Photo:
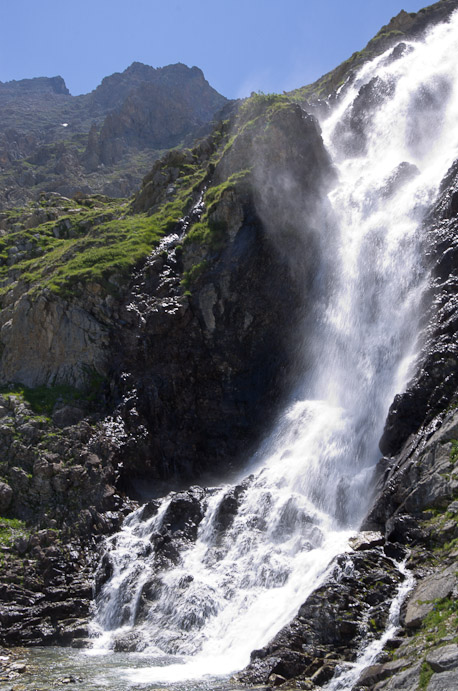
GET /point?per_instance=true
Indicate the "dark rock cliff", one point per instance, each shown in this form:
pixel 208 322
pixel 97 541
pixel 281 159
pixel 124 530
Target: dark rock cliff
pixel 202 373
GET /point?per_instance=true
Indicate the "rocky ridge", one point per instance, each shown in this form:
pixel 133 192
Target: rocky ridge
pixel 51 141
pixel 403 26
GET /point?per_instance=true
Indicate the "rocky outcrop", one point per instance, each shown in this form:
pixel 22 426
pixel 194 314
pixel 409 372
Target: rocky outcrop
pixel 58 482
pixel 216 302
pixel 158 113
pixel 38 85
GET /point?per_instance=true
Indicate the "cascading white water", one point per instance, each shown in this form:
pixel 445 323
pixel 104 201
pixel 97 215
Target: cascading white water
pixel 310 484
pixel 346 677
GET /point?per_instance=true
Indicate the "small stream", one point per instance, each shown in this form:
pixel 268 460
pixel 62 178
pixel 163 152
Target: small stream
pixel 48 669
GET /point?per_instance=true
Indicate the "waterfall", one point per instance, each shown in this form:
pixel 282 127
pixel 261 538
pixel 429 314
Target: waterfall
pixel 264 544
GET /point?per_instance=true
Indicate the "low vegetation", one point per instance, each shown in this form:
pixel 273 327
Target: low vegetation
pixel 87 245
pixel 11 529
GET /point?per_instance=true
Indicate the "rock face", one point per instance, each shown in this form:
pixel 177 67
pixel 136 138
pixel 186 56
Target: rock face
pixel 49 341
pixel 434 387
pixel 166 105
pixel 330 626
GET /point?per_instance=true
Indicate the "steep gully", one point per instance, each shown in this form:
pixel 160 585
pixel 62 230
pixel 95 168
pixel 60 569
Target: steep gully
pixel 201 578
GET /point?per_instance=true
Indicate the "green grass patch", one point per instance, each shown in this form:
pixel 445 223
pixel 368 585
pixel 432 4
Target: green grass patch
pixel 209 231
pixel 442 619
pixel 89 248
pixel 214 194
pixel 193 274
pixel 454 451
pixel 42 399
pixel 426 672
pixel 257 103
pixel 11 529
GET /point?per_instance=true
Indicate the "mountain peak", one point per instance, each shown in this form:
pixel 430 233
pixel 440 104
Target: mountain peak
pixel 37 85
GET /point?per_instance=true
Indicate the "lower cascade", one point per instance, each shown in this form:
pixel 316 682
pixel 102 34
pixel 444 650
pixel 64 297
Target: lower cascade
pixel 201 578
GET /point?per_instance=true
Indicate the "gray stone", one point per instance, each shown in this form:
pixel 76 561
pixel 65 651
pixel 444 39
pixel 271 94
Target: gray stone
pixel 448 431
pixel 6 496
pixel 447 681
pixel 371 675
pixel 443 659
pixel 404 681
pixel 453 507
pixel 67 415
pixel 431 491
pixel 366 540
pixel 434 587
pixel 49 341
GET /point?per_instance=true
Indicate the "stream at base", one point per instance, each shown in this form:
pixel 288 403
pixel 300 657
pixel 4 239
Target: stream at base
pixel 48 669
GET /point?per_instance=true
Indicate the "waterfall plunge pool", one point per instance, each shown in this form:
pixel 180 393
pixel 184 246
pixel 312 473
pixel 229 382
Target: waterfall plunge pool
pixel 49 668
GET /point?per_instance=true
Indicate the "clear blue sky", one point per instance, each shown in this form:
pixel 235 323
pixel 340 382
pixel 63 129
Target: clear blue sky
pixel 241 45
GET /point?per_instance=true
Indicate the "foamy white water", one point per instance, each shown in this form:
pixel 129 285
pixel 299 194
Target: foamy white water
pixel 344 679
pixel 311 484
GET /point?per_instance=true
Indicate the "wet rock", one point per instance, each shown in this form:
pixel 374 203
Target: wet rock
pixel 149 510
pixel 323 674
pixel 402 174
pixel 131 641
pixel 227 508
pixel 421 478
pixel 276 680
pixel 366 540
pixel 332 623
pixel 185 512
pixel 432 388
pixel 454 203
pixel 351 134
